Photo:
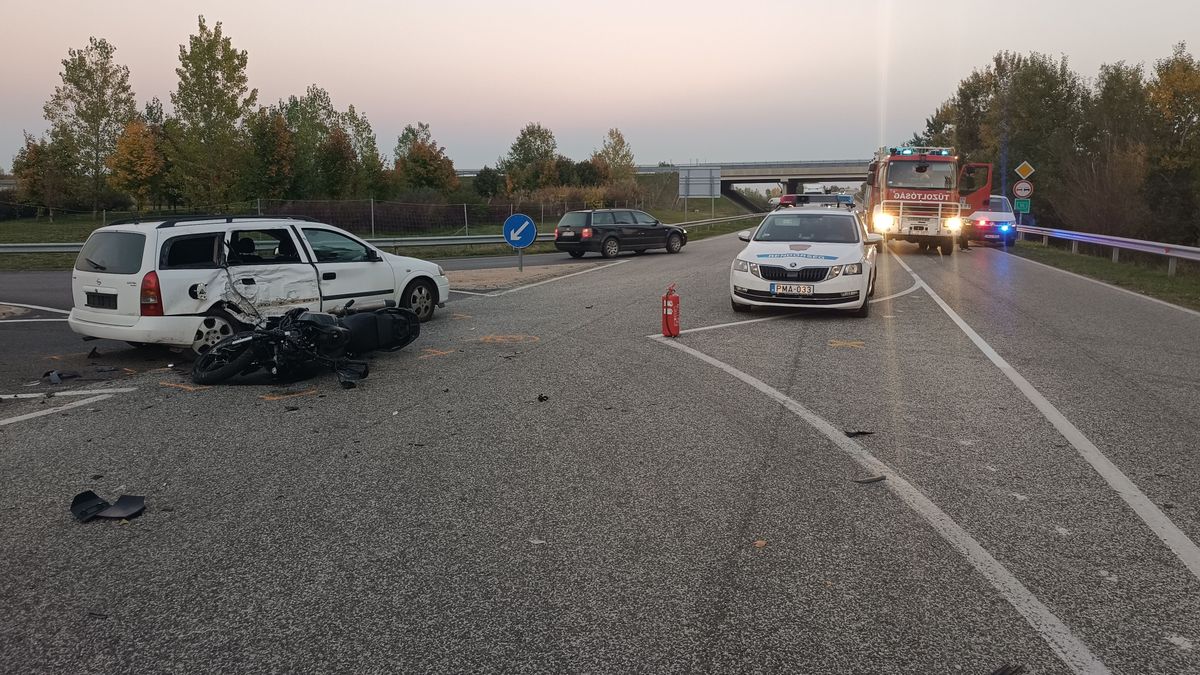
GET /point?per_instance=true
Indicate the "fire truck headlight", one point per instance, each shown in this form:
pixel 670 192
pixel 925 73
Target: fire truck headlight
pixel 884 222
pixel 954 224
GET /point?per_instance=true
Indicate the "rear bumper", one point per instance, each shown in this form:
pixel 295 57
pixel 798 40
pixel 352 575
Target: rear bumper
pixel 161 330
pixel 588 246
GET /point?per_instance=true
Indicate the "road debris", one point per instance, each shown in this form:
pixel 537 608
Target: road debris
pixel 88 505
pixel 94 354
pixel 57 377
pixel 856 434
pixel 542 398
pixel 106 369
pixel 872 479
pixel 760 543
pixel 538 542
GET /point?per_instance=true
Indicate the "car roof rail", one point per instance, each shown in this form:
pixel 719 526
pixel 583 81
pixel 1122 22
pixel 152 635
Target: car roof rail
pixel 229 219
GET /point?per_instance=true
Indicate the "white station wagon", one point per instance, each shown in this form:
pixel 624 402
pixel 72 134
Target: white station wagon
pixel 194 281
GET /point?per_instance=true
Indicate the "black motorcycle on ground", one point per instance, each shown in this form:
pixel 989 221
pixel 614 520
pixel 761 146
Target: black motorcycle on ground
pixel 292 345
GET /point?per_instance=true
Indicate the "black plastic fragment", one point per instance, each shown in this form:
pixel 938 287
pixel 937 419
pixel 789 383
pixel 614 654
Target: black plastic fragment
pixel 855 434
pixel 87 505
pixel 1007 669
pixel 872 479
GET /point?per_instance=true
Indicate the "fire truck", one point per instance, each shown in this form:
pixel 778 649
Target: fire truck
pixel 923 195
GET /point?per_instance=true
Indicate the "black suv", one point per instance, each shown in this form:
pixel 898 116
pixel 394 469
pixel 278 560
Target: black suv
pixel 610 231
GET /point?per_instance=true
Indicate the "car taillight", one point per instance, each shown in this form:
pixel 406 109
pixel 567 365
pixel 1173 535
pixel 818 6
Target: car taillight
pixel 587 233
pixel 151 301
pixel 556 233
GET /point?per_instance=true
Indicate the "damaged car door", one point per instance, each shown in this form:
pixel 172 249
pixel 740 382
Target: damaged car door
pixel 349 269
pixel 268 272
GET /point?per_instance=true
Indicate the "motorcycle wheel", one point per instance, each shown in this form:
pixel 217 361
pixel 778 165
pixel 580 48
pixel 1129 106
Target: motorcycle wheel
pixel 223 361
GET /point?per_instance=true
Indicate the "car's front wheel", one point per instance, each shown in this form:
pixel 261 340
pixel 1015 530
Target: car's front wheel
pixel 420 296
pixel 674 243
pixel 610 248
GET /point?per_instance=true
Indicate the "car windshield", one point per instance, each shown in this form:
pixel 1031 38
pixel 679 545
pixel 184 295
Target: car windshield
pixel 573 219
pixel 817 228
pixel 999 205
pixel 919 175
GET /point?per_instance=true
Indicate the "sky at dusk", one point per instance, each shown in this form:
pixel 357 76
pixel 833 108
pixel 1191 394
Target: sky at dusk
pixel 685 81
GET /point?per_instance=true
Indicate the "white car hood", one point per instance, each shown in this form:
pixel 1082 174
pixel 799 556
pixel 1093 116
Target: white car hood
pixel 799 254
pixel 997 216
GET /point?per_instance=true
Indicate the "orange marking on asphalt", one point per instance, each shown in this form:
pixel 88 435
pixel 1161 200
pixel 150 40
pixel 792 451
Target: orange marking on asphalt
pixel 507 339
pixel 460 317
pixel 280 397
pixel 185 387
pixel 430 353
pixel 131 371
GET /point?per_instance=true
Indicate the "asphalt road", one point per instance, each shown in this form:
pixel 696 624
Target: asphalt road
pixel 536 485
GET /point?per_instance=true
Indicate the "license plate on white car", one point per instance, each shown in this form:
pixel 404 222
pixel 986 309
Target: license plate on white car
pixel 791 289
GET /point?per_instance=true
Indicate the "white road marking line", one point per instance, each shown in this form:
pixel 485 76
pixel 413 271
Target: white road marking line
pixel 1107 285
pixel 1166 530
pixel 1069 648
pixel 51 411
pixel 485 295
pixel 547 281
pixel 1181 642
pixel 46 309
pixel 73 392
pixel 4 321
pixel 906 291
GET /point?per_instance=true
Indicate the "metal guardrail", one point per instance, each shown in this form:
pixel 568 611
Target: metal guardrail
pixel 1173 252
pixel 393 242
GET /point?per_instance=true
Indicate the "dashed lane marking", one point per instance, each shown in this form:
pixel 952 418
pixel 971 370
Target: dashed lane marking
pixel 1069 648
pixel 73 392
pixel 1158 522
pixel 4 321
pixel 44 309
pixel 52 411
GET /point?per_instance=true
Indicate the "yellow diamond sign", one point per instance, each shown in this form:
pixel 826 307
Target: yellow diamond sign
pixel 1025 170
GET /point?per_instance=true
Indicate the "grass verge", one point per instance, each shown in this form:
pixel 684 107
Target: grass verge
pixel 1144 275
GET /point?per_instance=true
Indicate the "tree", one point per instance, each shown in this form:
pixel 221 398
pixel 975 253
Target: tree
pixel 369 178
pixel 587 174
pixel 211 100
pixel 424 163
pixel 1173 182
pixel 336 165
pixel 617 156
pixel 43 169
pixel 410 137
pixel 488 182
pixel 91 108
pixel 135 163
pixel 269 166
pixel 310 117
pixel 527 159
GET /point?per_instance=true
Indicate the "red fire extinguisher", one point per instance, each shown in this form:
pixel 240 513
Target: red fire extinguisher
pixel 670 313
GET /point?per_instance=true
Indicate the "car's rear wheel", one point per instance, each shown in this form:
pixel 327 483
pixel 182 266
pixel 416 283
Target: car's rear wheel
pixel 213 328
pixel 610 248
pixel 739 307
pixel 575 254
pixel 674 243
pixel 947 245
pixel 420 296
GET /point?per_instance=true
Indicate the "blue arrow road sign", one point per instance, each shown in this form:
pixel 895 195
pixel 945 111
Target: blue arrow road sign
pixel 519 230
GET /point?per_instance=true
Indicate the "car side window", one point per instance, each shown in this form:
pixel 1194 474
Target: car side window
pixel 603 218
pixel 333 247
pixel 624 218
pixel 192 251
pixel 270 246
pixel 644 218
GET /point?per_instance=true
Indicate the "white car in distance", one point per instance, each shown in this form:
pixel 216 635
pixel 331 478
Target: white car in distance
pixel 813 257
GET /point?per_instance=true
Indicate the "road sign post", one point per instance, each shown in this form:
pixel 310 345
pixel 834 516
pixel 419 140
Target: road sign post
pixel 520 232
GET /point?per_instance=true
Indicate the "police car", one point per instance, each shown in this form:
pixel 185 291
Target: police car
pixel 806 257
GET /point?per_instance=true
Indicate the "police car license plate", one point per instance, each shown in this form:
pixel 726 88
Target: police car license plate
pixel 791 289
pixel 991 236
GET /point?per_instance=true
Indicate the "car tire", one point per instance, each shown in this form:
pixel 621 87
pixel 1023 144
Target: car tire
pixel 862 312
pixel 947 246
pixel 674 243
pixel 739 307
pixel 421 297
pixel 575 254
pixel 871 289
pixel 222 362
pixel 610 248
pixel 216 326
pixel 923 246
